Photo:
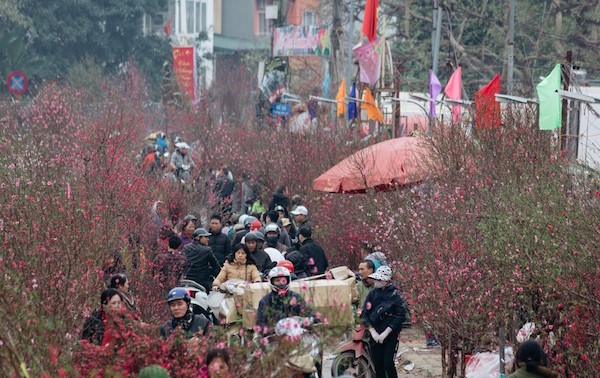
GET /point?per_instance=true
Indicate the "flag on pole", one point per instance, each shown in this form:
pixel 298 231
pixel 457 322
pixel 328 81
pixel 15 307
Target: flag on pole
pixel 369 105
pixel 435 88
pixel 454 91
pixel 487 109
pixel 369 61
pixel 352 111
pixel 550 110
pixel 341 102
pixel 369 26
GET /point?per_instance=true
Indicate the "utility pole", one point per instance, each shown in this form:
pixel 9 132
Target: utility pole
pixel 349 68
pixel 566 74
pixel 436 35
pixel 511 46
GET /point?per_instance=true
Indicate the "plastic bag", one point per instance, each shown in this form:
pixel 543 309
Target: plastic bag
pixel 487 364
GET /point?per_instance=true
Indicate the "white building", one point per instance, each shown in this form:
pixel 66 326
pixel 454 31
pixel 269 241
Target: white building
pixel 187 21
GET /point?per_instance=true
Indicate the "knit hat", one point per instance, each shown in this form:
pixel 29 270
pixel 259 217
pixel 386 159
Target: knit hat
pixel 154 371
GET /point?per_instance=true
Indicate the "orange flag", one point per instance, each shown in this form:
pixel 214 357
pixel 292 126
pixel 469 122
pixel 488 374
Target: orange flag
pixel 369 26
pixel 341 102
pixel 368 104
pixel 487 109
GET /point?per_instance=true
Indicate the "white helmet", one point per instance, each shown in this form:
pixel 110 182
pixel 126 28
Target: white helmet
pixel 272 227
pixel 242 218
pixel 276 272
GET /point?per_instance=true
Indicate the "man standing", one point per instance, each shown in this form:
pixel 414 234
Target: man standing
pixel 218 241
pixel 317 261
pixel 202 265
pixel 301 217
pixel 365 269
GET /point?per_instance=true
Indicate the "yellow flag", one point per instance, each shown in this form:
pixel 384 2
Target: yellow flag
pixel 341 105
pixel 368 104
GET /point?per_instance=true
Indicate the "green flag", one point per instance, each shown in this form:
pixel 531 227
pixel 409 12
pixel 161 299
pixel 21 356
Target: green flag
pixel 550 110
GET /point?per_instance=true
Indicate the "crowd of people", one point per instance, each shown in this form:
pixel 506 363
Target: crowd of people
pixel 250 242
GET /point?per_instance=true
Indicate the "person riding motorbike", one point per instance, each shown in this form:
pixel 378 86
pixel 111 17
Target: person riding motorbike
pixel 239 265
pixel 182 162
pixel 272 232
pixel 182 316
pixel 281 302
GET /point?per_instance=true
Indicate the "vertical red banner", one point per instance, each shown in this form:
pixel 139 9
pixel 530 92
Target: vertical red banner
pixel 184 67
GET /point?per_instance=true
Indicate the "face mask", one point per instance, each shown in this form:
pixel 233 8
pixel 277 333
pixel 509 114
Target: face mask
pixel 272 240
pixel 379 284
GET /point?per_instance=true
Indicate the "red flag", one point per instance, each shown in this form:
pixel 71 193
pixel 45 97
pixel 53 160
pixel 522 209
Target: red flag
pixel 487 109
pixel 168 27
pixel 454 91
pixel 369 27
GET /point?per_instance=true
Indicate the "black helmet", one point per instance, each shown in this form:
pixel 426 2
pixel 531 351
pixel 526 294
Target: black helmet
pixel 200 232
pixel 251 236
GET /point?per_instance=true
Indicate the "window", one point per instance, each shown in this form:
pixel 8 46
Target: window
pixel 263 26
pixel 189 17
pixel 309 18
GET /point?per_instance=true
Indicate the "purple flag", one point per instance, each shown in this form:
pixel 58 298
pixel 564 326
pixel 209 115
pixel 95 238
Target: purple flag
pixel 369 61
pixel 435 88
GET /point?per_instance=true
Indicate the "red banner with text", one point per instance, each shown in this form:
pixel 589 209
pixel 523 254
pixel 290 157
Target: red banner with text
pixel 184 67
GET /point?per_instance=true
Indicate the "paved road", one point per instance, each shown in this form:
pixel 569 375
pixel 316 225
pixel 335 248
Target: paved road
pixel 426 362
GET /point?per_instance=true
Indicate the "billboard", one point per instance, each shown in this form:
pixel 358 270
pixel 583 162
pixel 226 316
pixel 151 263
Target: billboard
pixel 300 40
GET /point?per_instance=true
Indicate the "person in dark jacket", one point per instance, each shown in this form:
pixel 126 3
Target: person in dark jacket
pixel 300 263
pixel 187 230
pixel 384 313
pixel 281 302
pixel 95 325
pixel 168 266
pixel 183 317
pixel 317 261
pixel 260 257
pixel 202 265
pixel 280 198
pixel 218 241
pixel 272 216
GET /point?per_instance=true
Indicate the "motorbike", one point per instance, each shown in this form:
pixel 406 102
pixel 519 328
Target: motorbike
pixel 199 298
pixel 354 356
pixel 222 305
pixel 291 331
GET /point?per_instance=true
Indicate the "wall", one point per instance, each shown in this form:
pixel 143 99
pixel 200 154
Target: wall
pixel 237 18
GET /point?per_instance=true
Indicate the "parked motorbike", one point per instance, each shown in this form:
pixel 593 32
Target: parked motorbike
pixel 222 305
pixel 199 299
pixel 354 357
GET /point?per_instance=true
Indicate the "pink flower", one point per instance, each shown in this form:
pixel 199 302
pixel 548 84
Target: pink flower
pixel 293 301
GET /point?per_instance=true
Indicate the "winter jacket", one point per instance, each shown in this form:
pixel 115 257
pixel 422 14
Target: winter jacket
pixel 384 308
pixel 178 160
pixel 185 239
pixel 224 187
pixel 363 290
pixel 300 262
pixel 93 328
pixel 195 325
pixel 284 237
pixel 317 261
pixel 235 271
pixel 540 372
pixel 239 236
pixel 262 260
pixel 280 199
pixel 221 245
pixel 202 265
pixel 274 307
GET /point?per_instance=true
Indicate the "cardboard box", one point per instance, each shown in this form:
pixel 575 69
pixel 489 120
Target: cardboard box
pixel 331 298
